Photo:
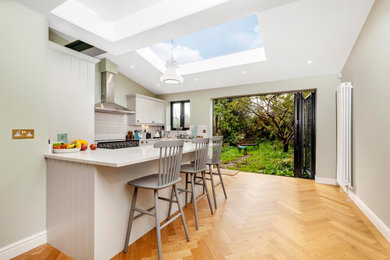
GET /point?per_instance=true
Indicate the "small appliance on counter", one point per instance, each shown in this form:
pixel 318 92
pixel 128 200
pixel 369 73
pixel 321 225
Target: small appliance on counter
pixel 130 135
pixel 137 135
pixel 162 133
pixel 117 144
pixel 199 131
pixel 157 134
pixel 140 134
pixel 148 135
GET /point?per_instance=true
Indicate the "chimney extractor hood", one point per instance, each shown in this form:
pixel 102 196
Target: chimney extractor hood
pixel 108 104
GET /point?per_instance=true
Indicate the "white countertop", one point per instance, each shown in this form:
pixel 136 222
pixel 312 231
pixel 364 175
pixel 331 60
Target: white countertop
pixel 115 157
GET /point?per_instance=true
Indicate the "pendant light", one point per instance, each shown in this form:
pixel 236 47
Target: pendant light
pixel 171 77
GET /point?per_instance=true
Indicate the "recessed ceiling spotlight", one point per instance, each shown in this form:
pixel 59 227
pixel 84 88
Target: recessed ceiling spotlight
pixel 309 62
pixel 158 84
pixel 195 79
pixel 132 67
pixel 244 72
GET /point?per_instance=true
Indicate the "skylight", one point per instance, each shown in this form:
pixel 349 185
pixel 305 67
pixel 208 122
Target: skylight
pixel 115 21
pixel 227 45
pixel 232 37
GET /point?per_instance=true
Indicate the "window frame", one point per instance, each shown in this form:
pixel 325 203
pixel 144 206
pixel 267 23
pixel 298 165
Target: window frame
pixel 182 114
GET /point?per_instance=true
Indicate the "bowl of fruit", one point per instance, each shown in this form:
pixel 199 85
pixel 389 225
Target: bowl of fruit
pixel 75 146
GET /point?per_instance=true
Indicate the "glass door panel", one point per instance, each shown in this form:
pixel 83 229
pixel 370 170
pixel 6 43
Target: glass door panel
pixel 305 134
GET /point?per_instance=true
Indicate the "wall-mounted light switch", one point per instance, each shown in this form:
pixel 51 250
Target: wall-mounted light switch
pixel 22 133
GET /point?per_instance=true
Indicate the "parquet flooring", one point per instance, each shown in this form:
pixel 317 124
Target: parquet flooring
pixel 264 217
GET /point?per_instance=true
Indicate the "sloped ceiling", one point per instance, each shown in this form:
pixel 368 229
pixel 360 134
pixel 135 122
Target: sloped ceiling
pixel 301 38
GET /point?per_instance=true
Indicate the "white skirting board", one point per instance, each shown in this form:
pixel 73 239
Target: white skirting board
pixel 375 220
pixel 328 181
pixel 22 246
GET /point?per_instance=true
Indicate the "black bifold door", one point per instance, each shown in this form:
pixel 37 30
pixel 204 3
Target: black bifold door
pixel 305 135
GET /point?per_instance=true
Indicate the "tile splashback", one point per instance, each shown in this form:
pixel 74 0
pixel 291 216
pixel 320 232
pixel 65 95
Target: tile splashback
pixel 112 126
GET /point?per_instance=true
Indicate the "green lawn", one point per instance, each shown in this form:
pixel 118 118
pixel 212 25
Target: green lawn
pixel 269 158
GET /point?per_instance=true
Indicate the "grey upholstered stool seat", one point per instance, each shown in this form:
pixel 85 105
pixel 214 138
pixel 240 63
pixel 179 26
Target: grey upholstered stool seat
pixel 191 170
pixel 151 182
pixel 167 176
pixel 216 160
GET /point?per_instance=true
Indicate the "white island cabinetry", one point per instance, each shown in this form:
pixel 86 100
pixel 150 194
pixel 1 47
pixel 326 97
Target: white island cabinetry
pixel 148 110
pixel 88 199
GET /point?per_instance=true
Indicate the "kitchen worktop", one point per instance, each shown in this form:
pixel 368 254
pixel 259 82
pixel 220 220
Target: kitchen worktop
pixel 116 157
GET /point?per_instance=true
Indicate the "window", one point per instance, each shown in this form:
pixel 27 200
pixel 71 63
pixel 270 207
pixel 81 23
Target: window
pixel 226 45
pixel 180 115
pixel 231 37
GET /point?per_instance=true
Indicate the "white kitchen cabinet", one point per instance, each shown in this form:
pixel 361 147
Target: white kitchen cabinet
pixel 71 93
pixel 148 110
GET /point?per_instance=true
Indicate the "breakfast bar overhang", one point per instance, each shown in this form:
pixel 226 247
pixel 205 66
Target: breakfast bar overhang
pixel 88 199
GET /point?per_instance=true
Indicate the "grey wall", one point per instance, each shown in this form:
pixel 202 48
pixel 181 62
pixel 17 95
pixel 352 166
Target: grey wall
pixel 123 87
pixel 201 110
pixel 368 68
pixel 54 37
pixel 24 104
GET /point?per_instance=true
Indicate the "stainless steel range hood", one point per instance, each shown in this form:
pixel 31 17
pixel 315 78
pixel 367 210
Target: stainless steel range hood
pixel 108 105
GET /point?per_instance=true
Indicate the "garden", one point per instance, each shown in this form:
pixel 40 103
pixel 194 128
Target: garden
pixel 266 119
pixel 267 158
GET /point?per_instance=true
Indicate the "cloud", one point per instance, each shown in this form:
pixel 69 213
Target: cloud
pixel 247 40
pixel 182 54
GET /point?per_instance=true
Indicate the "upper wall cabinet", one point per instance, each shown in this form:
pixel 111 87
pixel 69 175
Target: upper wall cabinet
pixel 148 110
pixel 71 93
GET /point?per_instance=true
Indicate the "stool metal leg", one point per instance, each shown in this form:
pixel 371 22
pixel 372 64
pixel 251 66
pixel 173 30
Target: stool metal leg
pixel 194 200
pixel 181 212
pixel 203 190
pixel 220 177
pixel 212 184
pixel 207 191
pixel 170 205
pixel 130 220
pixel 191 197
pixel 186 189
pixel 158 232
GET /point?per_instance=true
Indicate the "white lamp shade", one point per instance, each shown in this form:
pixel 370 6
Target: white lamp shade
pixel 171 76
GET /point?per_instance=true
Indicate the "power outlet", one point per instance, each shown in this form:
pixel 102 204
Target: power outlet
pixel 22 133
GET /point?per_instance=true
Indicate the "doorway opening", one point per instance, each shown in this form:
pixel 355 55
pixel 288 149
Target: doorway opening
pixel 269 133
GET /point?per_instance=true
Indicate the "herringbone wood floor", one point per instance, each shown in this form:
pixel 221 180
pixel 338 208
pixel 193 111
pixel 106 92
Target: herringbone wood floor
pixel 265 217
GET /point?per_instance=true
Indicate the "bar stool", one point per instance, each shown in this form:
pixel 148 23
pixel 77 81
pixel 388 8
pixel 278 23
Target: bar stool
pixel 198 166
pixel 217 142
pixel 167 176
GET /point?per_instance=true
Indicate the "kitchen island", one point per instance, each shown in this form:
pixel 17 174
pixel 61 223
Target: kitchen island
pixel 88 199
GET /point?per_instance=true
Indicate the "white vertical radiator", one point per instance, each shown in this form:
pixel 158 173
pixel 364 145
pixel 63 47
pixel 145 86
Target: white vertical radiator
pixel 344 135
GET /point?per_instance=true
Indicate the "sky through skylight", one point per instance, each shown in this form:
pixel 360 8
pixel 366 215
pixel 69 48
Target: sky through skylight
pixel 235 36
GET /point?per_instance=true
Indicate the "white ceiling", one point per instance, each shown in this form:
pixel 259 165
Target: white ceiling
pixel 117 9
pixel 293 31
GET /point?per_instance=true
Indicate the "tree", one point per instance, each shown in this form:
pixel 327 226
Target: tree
pixel 273 112
pixel 230 121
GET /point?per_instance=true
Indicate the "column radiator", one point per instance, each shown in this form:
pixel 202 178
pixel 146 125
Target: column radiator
pixel 344 135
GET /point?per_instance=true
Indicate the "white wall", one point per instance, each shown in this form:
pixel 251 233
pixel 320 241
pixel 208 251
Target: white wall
pixel 24 93
pixel 123 84
pixel 368 69
pixel 201 111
